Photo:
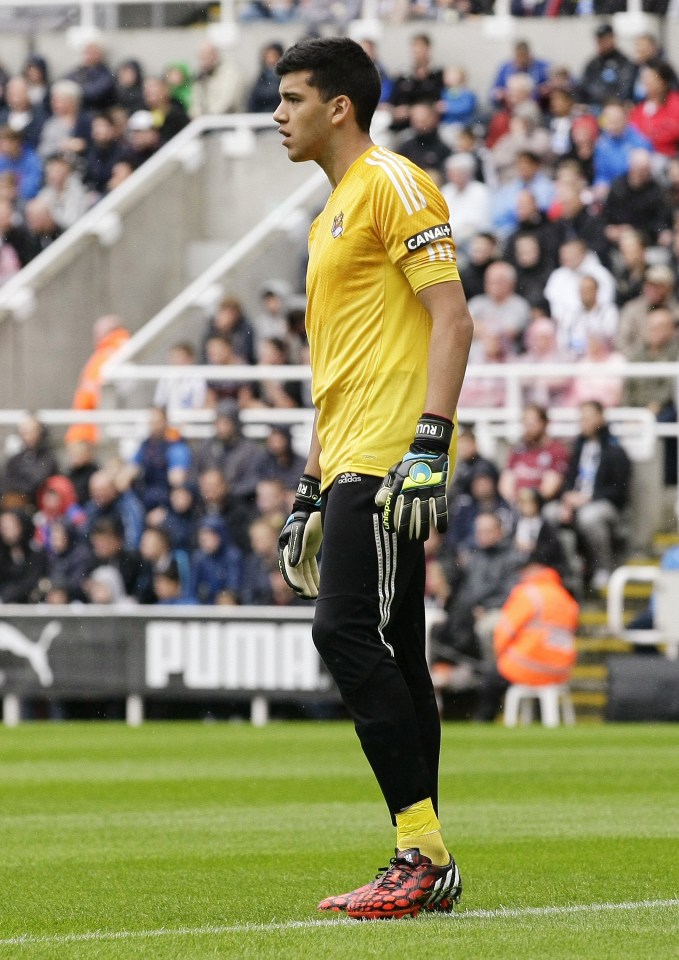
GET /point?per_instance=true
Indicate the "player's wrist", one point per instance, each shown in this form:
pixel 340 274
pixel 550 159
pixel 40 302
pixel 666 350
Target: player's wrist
pixel 432 433
pixel 308 493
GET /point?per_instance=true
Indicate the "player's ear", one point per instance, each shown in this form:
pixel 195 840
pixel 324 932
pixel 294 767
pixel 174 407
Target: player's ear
pixel 341 107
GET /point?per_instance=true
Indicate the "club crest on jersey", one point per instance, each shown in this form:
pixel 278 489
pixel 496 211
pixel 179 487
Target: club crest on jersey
pixel 441 231
pixel 337 228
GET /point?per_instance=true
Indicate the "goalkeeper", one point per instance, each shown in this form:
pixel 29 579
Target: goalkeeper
pixel 389 335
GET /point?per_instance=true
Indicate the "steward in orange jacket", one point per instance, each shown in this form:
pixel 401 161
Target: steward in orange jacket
pixel 534 639
pixel 109 336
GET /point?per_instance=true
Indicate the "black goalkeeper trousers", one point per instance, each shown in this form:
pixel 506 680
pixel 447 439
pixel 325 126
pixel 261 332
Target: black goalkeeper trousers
pixel 369 630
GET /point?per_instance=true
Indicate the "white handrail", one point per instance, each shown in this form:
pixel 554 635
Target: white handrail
pixel 615 602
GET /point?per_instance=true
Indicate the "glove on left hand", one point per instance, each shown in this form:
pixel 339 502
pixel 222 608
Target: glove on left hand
pixel 413 493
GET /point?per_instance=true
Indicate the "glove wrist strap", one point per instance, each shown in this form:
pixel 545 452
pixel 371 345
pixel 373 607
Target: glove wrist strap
pixel 432 433
pixel 308 493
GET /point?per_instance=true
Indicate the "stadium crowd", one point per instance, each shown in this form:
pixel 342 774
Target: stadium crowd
pixel 564 200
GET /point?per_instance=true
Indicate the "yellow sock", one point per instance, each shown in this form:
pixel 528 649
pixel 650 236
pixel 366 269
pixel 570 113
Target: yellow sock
pixel 418 826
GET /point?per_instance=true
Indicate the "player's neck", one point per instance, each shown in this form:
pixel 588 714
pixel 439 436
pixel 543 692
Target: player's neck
pixel 342 154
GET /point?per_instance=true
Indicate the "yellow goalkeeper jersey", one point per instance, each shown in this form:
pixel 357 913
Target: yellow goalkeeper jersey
pixel 383 236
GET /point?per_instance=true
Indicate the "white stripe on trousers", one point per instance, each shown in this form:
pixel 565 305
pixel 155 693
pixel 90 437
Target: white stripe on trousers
pixel 385 545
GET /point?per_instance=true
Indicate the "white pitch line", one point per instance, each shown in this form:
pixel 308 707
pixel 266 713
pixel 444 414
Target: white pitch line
pixel 500 914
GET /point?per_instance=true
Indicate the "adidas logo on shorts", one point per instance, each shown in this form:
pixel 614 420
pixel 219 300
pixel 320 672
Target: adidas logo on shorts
pixel 349 478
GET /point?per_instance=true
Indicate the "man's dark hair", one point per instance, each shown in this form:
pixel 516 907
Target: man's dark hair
pixel 338 66
pixel 539 411
pixel 108 526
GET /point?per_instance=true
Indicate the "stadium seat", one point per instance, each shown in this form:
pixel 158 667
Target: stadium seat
pixel 519 704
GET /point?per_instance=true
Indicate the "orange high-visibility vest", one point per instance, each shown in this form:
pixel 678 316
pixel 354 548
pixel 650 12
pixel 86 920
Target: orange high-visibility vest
pixel 534 639
pixel 88 390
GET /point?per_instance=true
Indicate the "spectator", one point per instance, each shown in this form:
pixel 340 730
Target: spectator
pixel 56 501
pixel 425 147
pixel 157 550
pixel 169 116
pixel 82 464
pixel 143 139
pixel 602 387
pixel 563 287
pixel 561 105
pixel 122 169
pixel 230 321
pixel 499 309
pixel 468 457
pixel 629 266
pixel 584 136
pixel 27 470
pixel 523 62
pixel 458 104
pixel 657 394
pixel 637 201
pixel 9 262
pixel 218 500
pixel 647 50
pixel 423 84
pixel 538 462
pixel 14 234
pixel 278 394
pixel 240 461
pixel 271 322
pixel 20 114
pixel 105 587
pixel 468 200
pixel 534 638
pixel 280 461
pixel 216 564
pixel 574 221
pixel 610 74
pixel 42 229
pixel 273 500
pixel 483 251
pixel 94 78
pixel 68 128
pixel 130 86
pixel 657 118
pixel 532 222
pixel 168 589
pixel 36 75
pixel 542 347
pixel 525 135
pixel 490 568
pixel 22 562
pixel 178 518
pixel 487 390
pixel 64 193
pixel 483 498
pixel 533 267
pixel 386 81
pixel 179 83
pixel 218 86
pixel 109 335
pixel 596 491
pixel 588 316
pixel 614 145
pixel 260 563
pixel 18 158
pixel 657 291
pixel 529 177
pixel 263 96
pixel 188 393
pixel 162 461
pixel 219 352
pixel 104 151
pixel 122 508
pixel 69 558
pixel 520 90
pixel 107 541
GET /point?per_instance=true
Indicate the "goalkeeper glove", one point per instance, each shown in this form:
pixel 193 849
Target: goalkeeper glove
pixel 300 540
pixel 413 493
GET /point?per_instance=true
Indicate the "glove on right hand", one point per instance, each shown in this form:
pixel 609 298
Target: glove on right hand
pixel 300 540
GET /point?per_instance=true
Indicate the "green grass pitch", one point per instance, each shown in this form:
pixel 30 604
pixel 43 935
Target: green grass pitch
pixel 185 841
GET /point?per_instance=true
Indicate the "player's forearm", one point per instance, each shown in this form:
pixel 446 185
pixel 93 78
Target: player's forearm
pixel 313 464
pixel 451 338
